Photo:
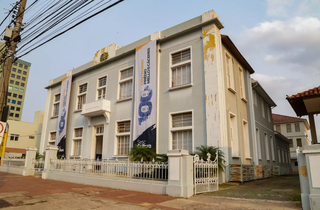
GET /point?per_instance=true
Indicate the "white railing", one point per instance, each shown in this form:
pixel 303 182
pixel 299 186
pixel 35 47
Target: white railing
pixel 126 169
pixel 13 162
pixel 37 165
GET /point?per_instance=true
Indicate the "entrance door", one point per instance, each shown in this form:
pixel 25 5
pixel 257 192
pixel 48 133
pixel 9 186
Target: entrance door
pixel 99 147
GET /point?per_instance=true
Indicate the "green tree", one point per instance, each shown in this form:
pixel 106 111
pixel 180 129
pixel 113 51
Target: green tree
pixel 138 152
pixel 202 151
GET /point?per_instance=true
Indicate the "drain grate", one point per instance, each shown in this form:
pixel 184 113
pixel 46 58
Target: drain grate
pixel 4 203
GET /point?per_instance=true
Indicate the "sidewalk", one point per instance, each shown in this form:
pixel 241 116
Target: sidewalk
pixel 18 192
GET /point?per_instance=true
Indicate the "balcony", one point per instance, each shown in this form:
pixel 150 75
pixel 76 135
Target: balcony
pixel 96 108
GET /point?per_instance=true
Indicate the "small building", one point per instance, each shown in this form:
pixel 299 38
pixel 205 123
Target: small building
pixel 23 135
pixel 296 130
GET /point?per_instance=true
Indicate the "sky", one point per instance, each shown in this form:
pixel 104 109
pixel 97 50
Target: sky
pixel 279 38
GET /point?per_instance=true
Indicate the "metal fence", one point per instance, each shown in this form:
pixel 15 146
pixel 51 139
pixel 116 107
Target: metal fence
pixel 126 169
pixel 206 177
pixel 13 162
pixel 38 166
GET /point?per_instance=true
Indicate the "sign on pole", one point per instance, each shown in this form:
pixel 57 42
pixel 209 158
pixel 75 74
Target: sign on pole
pixel 145 107
pixel 2 129
pixel 63 115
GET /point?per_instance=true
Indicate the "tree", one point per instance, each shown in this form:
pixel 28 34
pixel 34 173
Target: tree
pixel 148 154
pixel 202 151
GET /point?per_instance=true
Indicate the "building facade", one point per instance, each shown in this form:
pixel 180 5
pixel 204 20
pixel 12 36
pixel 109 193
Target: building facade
pixel 296 130
pixel 23 135
pixel 203 95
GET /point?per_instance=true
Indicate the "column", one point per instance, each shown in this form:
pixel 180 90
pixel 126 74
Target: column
pixel 313 129
pixel 51 154
pixel 28 165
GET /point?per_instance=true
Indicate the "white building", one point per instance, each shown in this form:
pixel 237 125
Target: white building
pixel 296 130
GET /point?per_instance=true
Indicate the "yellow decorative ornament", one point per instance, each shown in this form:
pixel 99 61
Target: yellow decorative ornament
pixel 104 56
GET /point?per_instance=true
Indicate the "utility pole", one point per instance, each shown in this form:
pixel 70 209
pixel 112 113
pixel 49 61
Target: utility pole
pixel 12 46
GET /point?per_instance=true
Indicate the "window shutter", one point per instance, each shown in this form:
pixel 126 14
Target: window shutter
pixel 181 120
pixel 180 56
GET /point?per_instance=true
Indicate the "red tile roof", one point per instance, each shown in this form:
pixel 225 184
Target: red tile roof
pixel 309 93
pixel 277 118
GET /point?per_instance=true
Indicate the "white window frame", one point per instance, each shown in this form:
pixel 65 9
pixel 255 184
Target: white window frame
pixel 230 72
pixel 102 87
pixel 245 130
pixel 272 148
pixel 180 64
pixel 267 146
pixel 290 128
pixel 295 127
pixel 184 128
pixel 259 143
pixel 241 84
pixel 77 139
pixel 50 140
pixel 262 107
pixel 120 81
pixel 122 134
pixel 81 94
pixel 56 103
pixel 234 138
pixel 279 128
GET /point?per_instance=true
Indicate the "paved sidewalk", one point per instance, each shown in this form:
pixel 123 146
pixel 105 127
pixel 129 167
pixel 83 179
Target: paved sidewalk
pixel 18 192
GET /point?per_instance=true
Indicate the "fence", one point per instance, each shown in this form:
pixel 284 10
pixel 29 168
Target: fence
pixel 126 169
pixel 13 162
pixel 37 166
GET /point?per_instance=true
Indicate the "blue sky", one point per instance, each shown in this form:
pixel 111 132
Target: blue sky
pixel 279 38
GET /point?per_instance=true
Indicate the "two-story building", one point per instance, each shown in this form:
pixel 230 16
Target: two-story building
pixel 296 130
pixel 201 97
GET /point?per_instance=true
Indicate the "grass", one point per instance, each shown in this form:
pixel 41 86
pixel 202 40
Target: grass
pixel 282 188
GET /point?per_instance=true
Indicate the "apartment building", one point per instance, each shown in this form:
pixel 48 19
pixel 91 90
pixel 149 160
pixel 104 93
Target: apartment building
pixel 200 85
pixel 296 130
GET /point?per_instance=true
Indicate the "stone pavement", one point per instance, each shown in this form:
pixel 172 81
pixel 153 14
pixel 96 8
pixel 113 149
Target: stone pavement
pixel 18 192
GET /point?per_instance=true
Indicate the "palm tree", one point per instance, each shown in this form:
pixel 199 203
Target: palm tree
pixel 138 152
pixel 202 151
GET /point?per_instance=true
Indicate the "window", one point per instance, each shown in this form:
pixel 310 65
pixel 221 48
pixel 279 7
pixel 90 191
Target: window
pixel 11 81
pixel 181 68
pixel 20 65
pixel 19 102
pixel 234 135
pixel 255 97
pixel 16 115
pixel 20 96
pixel 10 88
pixel 246 138
pixel 22 84
pixel 24 73
pixel 31 137
pixel 82 94
pixel 25 67
pixel 11 114
pixel 282 154
pixel 23 79
pixel 101 89
pixel 15 64
pixel 290 143
pixel 13 101
pixel 289 128
pixel 241 82
pixel 21 90
pixel 13 75
pixel 125 83
pixel 299 143
pixel 14 69
pixel 229 65
pixel 18 109
pixel 56 104
pixel 279 155
pixel 14 137
pixel 17 83
pixel 12 108
pixel 123 137
pixel 272 148
pixel 258 143
pixel 268 113
pixel 262 107
pixel 19 71
pixel 297 127
pixel 267 146
pixel 278 128
pixel 15 89
pixel 18 77
pixel 14 95
pixel 99 130
pixel 52 138
pixel 181 131
pixel 77 138
pixel 9 94
pixel 8 100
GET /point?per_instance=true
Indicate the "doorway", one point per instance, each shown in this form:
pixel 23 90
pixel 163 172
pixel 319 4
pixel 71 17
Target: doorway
pixel 99 142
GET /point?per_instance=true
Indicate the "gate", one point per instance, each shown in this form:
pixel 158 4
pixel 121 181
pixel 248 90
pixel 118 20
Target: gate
pixel 205 174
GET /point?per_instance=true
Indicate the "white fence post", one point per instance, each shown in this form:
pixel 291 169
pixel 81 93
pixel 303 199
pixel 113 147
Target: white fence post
pixel 180 174
pixel 28 165
pixel 51 154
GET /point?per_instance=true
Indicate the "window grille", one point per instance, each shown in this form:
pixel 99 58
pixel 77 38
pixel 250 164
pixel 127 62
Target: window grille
pixel 181 68
pixel 128 73
pixel 102 81
pixel 181 56
pixel 83 88
pixel 181 120
pixel 123 127
pixel 78 132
